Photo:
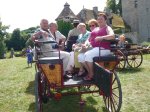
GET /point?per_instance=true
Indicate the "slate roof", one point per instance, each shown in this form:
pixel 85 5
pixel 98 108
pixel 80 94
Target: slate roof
pixel 66 12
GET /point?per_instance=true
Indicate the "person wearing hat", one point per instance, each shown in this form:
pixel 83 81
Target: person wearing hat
pixel 72 35
pixel 74 31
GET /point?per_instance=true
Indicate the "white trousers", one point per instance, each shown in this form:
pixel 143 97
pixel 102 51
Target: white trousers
pixel 89 55
pixel 71 61
pixel 65 56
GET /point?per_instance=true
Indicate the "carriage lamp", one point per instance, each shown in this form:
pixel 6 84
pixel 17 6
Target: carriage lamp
pixel 51 66
pixel 57 96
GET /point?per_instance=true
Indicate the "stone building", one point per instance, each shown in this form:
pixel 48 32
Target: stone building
pixel 86 14
pixel 136 13
pixel 66 14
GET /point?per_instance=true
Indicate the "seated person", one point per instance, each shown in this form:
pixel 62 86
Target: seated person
pixel 103 32
pixel 43 34
pixel 77 47
pixel 122 41
pixel 92 23
pixel 60 38
pixel 72 36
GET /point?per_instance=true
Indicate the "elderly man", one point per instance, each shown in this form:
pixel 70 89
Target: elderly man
pixel 43 34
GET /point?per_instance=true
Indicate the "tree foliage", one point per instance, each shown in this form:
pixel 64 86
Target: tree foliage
pixel 115 6
pixel 3 34
pixel 19 39
pixel 16 40
pixel 64 27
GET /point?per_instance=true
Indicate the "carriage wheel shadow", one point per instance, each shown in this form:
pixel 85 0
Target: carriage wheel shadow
pixel 70 104
pixel 30 88
pixel 131 70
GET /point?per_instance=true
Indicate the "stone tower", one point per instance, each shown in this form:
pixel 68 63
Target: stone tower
pixel 66 14
pixel 136 13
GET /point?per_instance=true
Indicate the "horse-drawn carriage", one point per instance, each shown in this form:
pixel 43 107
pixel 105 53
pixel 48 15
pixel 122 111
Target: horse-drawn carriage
pixel 129 54
pixel 50 82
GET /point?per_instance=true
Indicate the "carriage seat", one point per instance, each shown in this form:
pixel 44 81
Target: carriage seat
pixel 108 62
pixel 106 58
pixel 51 60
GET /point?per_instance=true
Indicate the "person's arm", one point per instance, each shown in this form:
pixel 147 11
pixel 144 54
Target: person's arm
pixel 39 33
pixel 35 36
pixel 60 36
pixel 110 35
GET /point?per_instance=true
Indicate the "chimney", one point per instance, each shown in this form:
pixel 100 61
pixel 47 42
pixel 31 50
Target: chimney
pixel 95 9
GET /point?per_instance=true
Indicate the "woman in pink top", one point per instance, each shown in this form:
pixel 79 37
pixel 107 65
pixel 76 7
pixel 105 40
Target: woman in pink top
pixel 103 32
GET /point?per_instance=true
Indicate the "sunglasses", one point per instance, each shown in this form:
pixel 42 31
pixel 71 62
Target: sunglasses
pixel 91 25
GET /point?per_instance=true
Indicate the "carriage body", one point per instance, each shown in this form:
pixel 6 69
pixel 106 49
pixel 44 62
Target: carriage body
pixel 50 81
pixel 130 55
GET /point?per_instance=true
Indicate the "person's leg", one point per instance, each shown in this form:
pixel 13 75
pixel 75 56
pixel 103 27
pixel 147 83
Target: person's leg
pixel 65 57
pixel 89 58
pixel 89 55
pixel 70 65
pixel 82 64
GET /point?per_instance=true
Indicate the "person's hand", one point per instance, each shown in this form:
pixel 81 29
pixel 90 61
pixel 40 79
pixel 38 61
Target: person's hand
pixel 39 33
pixel 45 34
pixel 98 39
pixel 83 47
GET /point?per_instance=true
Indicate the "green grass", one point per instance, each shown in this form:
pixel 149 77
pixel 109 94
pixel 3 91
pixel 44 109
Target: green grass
pixel 17 90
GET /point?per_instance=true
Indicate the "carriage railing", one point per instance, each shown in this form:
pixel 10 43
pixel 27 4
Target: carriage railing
pixel 51 66
pixel 54 45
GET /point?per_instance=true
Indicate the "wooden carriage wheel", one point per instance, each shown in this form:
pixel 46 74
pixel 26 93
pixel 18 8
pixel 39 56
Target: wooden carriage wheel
pixel 134 58
pixel 122 58
pixel 38 92
pixel 114 101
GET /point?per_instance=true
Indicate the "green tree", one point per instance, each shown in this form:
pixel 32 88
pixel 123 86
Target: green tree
pixel 115 6
pixel 16 41
pixel 21 38
pixel 119 7
pixel 64 27
pixel 3 34
pixel 26 34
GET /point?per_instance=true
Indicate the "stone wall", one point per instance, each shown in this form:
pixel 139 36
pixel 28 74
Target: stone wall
pixel 143 19
pixel 133 36
pixel 137 15
pixel 129 13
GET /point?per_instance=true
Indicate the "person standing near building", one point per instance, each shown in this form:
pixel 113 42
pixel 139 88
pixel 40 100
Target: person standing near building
pixel 12 53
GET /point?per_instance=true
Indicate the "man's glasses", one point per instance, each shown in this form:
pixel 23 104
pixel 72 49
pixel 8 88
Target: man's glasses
pixel 91 25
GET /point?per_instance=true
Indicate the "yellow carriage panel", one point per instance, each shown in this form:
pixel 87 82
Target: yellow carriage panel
pixel 53 73
pixel 110 65
pixel 76 63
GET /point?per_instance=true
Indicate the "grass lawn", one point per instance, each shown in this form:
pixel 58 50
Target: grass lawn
pixel 17 90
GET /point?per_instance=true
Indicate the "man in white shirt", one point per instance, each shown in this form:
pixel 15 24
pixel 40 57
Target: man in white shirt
pixel 43 34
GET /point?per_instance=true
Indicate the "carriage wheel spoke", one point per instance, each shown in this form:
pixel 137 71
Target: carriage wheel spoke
pixel 108 102
pixel 114 108
pixel 113 81
pixel 115 95
pixel 115 101
pixel 115 88
pixel 110 105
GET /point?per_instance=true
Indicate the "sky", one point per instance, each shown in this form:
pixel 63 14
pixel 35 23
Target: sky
pixel 28 13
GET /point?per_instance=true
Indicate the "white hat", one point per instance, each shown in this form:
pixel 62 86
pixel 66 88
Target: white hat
pixel 76 21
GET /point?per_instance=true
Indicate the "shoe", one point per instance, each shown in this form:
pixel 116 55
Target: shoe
pixel 81 73
pixel 67 76
pixel 88 78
